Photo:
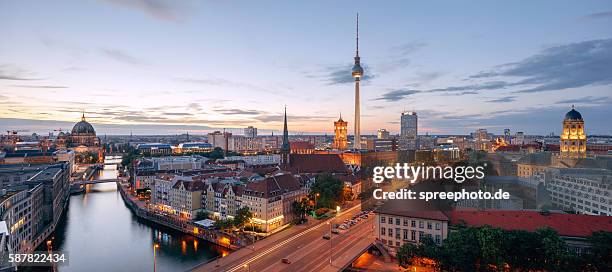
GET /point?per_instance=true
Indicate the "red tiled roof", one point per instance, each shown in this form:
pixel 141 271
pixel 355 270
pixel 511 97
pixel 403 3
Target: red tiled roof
pixel 191 186
pixel 217 175
pixel 575 225
pixel 316 163
pixel 300 145
pixel 272 186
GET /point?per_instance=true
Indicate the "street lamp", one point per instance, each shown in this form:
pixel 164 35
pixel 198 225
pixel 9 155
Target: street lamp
pixel 316 199
pixel 155 247
pixel 330 241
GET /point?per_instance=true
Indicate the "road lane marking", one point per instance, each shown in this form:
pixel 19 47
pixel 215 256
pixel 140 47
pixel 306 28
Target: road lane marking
pixel 241 265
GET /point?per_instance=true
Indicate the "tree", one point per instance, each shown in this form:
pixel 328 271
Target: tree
pixel 429 249
pixel 599 256
pixel 301 208
pixel 347 193
pixel 406 254
pixel 329 189
pixel 243 215
pixel 217 153
pixel 223 224
pixel 201 215
pixel 460 251
pixel 490 243
pixel 520 249
pixel 553 249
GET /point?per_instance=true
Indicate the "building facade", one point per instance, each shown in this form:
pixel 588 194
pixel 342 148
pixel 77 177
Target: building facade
pixel 585 191
pixel 573 139
pixel 408 131
pixel 397 227
pixel 340 134
pixel 250 132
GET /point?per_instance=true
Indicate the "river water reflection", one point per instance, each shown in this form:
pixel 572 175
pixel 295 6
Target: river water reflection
pixel 101 234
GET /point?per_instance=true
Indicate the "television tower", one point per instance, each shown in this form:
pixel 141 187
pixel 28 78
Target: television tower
pixel 357 73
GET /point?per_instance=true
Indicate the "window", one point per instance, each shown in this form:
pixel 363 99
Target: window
pixel 397 221
pixel 382 231
pixel 413 223
pixel 405 234
pixel 420 235
pixel 397 234
pixel 437 226
pixel 413 235
pixel 405 222
pixel 428 225
pixel 390 232
pixel 390 220
pixel 437 239
pixel 397 243
pixel 421 224
pixel 382 219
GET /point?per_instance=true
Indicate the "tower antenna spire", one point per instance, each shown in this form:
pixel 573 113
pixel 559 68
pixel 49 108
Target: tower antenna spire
pixel 357 40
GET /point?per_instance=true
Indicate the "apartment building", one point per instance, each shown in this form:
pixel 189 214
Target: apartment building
pixel 583 190
pixel 397 226
pixel 269 200
pixel 186 198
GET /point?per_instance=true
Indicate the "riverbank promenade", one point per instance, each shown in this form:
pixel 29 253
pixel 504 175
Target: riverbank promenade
pixel 143 210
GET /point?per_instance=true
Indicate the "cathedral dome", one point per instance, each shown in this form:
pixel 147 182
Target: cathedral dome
pixel 573 115
pixel 83 128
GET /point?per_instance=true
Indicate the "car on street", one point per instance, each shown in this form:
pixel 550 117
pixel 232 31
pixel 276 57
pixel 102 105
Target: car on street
pixel 326 236
pixel 335 231
pixel 285 260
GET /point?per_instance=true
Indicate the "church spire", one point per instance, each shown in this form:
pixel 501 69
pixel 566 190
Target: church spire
pixel 83 116
pixel 286 148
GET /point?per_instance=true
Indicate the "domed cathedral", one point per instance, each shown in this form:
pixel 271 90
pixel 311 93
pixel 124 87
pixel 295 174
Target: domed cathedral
pixel 83 141
pixel 573 139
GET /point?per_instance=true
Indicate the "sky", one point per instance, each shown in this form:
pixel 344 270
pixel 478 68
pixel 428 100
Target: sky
pixel 168 67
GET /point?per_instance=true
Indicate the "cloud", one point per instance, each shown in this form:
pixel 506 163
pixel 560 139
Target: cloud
pixel 470 89
pixel 341 74
pixel 599 15
pixel 121 56
pixel 41 86
pixel 238 112
pixel 504 99
pixel 279 118
pixel 167 10
pixel 587 100
pixel 211 81
pixel 397 95
pixel 10 72
pixel 400 56
pixel 573 65
pixel 561 67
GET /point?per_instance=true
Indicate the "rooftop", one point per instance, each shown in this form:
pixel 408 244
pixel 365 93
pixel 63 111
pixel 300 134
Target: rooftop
pixel 573 225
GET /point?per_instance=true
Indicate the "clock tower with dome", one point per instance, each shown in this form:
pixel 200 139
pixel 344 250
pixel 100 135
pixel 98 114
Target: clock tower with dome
pixel 573 139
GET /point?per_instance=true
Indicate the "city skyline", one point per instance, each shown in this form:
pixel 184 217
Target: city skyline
pixel 176 67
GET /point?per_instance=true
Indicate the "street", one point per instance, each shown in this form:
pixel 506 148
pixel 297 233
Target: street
pixel 303 246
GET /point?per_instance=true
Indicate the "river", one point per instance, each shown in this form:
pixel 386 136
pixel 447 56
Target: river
pixel 100 233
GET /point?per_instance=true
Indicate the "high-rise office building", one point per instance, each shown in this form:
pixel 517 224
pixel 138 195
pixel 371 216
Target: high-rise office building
pixel 250 132
pixel 383 134
pixel 408 131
